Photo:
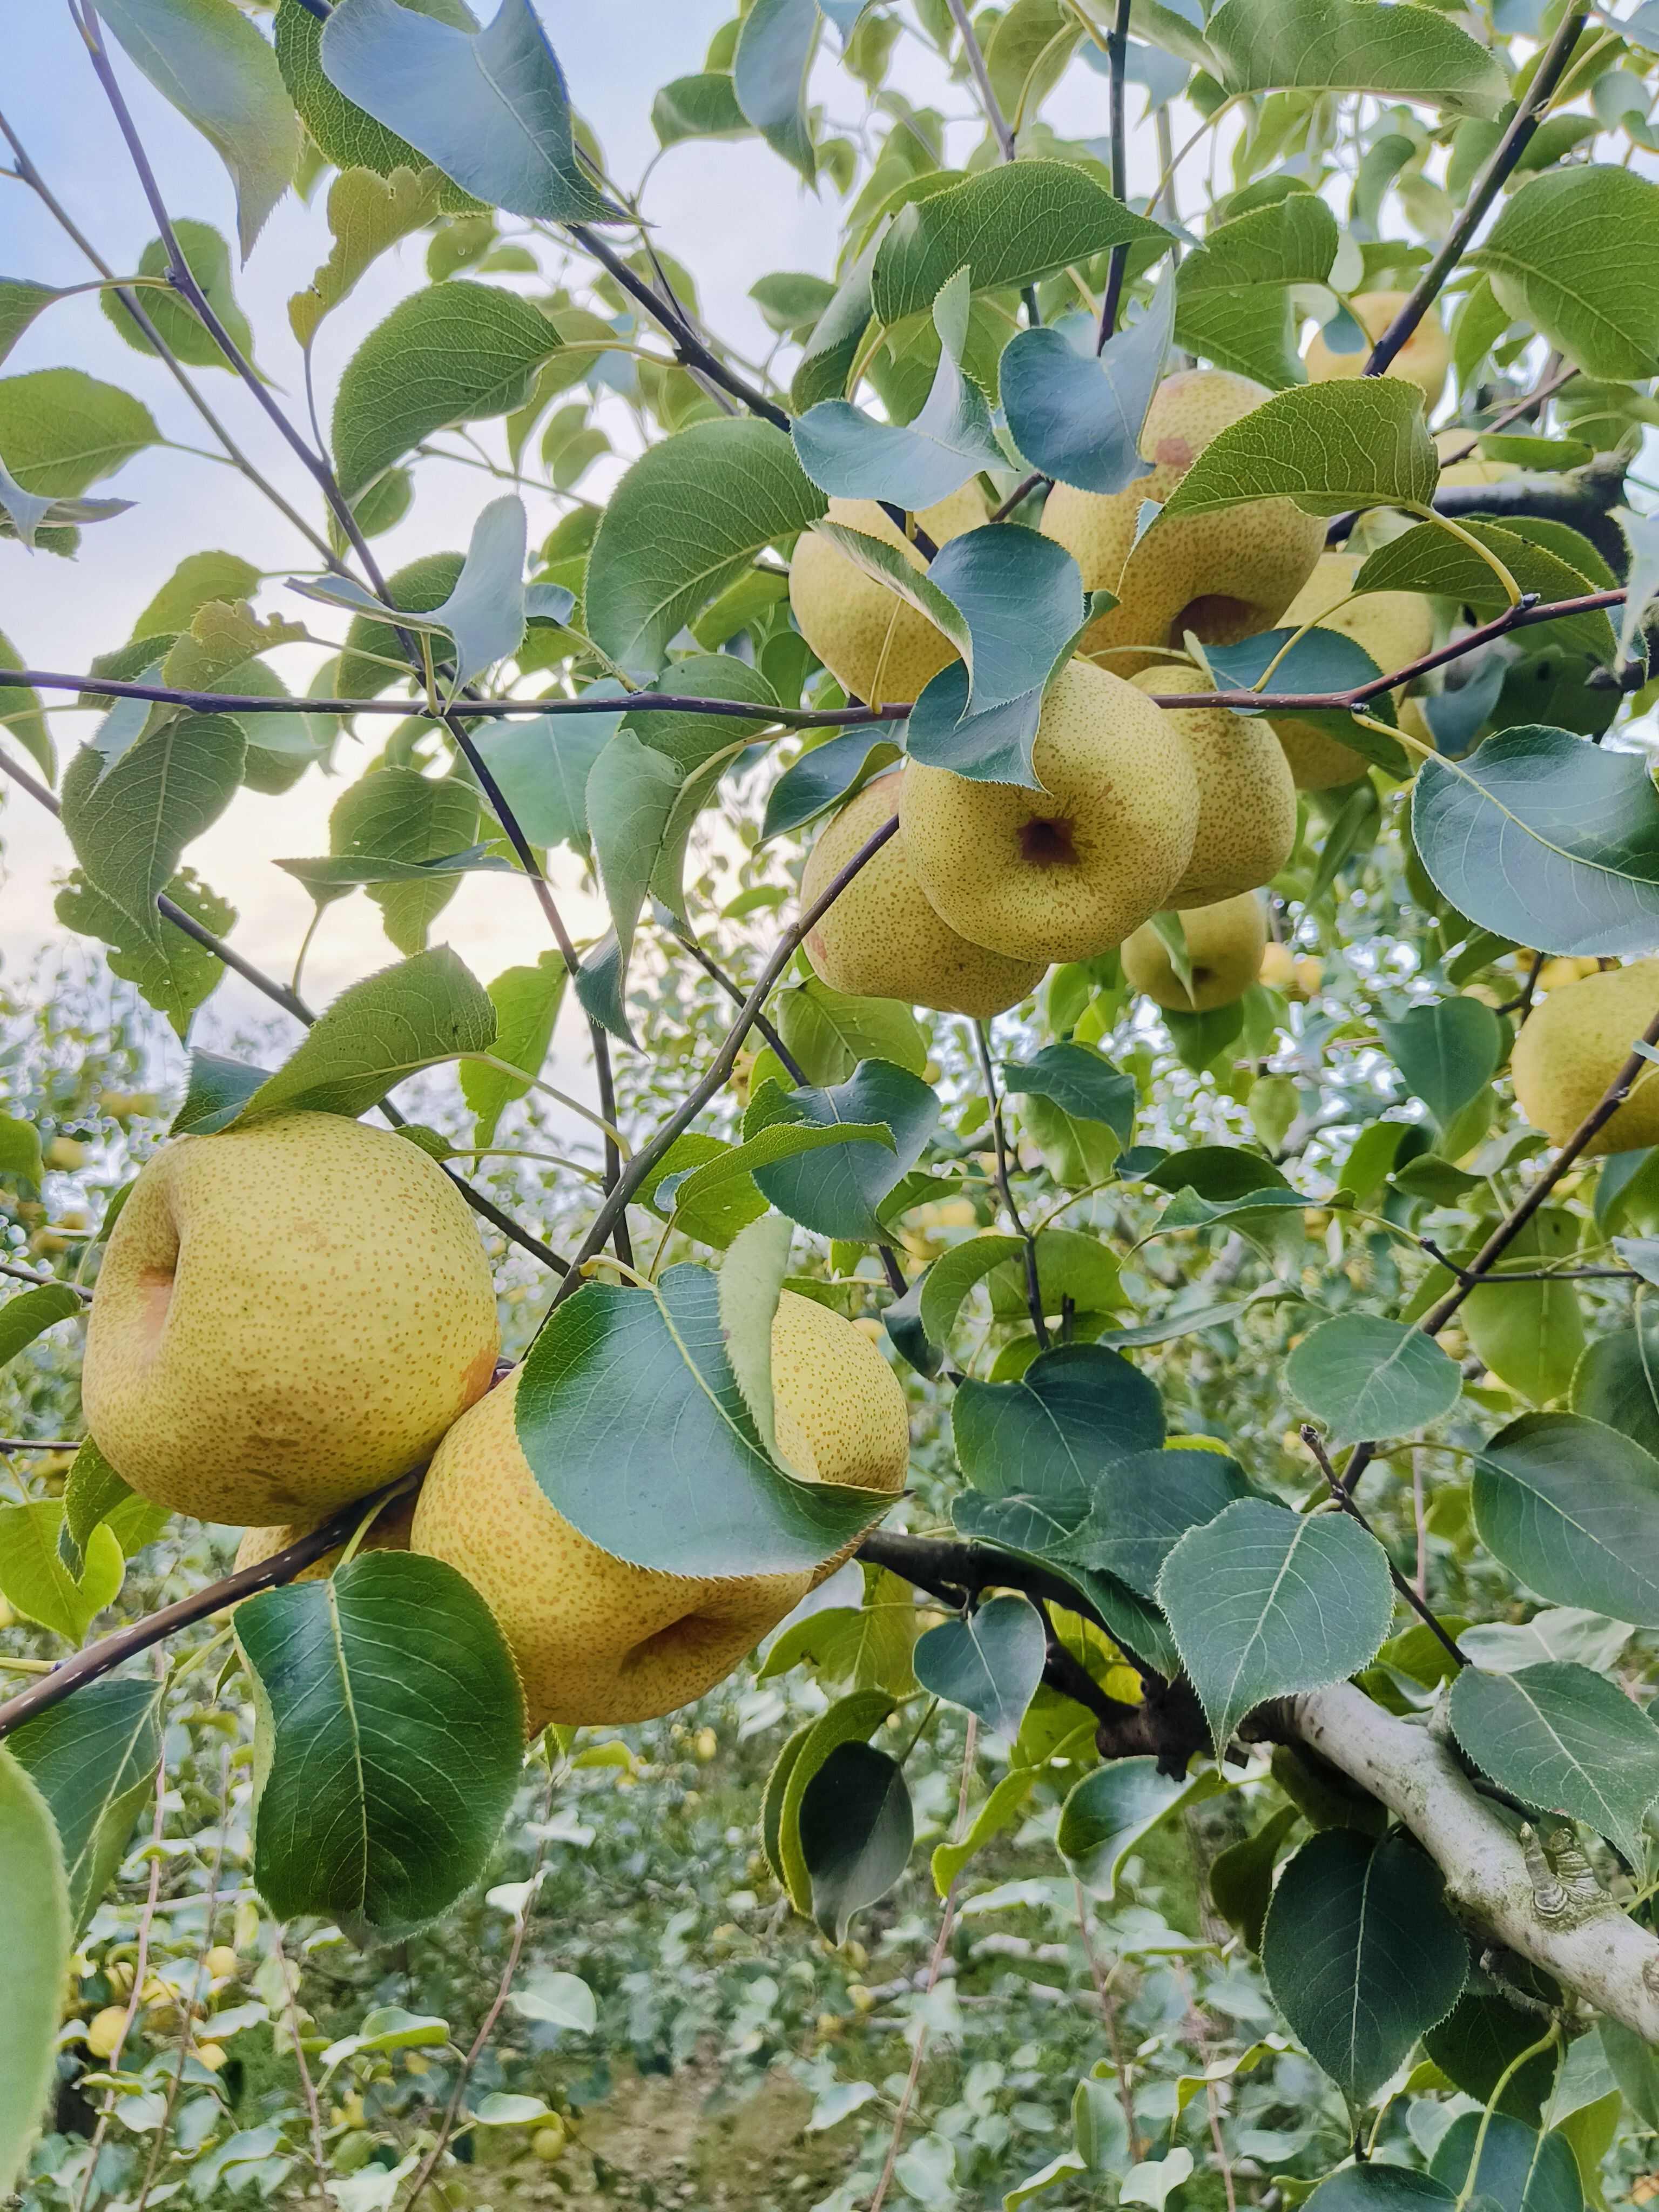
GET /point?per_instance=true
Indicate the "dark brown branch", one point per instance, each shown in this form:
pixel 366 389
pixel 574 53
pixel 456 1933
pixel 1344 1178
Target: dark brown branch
pixel 1117 46
pixel 1483 191
pixel 1420 1605
pixel 111 1651
pixel 1521 1002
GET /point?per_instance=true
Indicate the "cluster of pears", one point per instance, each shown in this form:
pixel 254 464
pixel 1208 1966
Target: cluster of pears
pixel 1141 810
pixel 292 1314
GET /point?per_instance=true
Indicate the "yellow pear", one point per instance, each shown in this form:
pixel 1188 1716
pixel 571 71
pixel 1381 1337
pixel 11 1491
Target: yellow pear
pixel 288 1316
pixel 387 1532
pixel 875 645
pixel 597 1639
pixel 1067 872
pixel 1422 361
pixel 1246 794
pixel 1226 944
pixel 881 938
pixel 1572 1045
pixel 1393 628
pixel 1221 576
pixel 1278 967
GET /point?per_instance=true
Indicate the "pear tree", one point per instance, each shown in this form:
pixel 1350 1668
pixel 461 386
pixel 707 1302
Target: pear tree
pixel 1093 1199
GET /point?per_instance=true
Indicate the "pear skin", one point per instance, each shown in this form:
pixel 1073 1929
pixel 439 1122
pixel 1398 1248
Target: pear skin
pixel 1394 627
pixel 1067 872
pixel 597 1639
pixel 875 645
pixel 288 1316
pixel 1225 943
pixel 1246 794
pixel 1223 577
pixel 882 939
pixel 1423 359
pixel 1571 1046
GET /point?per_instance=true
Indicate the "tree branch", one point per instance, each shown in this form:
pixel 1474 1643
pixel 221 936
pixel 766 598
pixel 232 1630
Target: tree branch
pixel 1117 45
pixel 975 60
pixel 1484 190
pixel 994 1096
pixel 1603 1956
pixel 111 1651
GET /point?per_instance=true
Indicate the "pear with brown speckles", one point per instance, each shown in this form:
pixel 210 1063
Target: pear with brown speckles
pixel 597 1639
pixel 1221 577
pixel 288 1316
pixel 1224 945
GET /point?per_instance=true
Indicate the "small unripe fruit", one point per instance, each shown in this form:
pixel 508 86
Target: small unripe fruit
pixel 221 1962
pixel 548 2142
pixel 66 1153
pixel 707 1744
pixel 1277 969
pixel 107 2028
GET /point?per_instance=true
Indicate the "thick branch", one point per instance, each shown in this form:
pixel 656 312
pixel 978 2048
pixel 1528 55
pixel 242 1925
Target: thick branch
pixel 1604 1958
pixel 1484 190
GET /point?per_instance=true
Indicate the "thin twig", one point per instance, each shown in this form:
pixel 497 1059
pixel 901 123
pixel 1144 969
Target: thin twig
pixel 1117 45
pixel 42 1282
pixel 290 1974
pixel 1419 1606
pixel 1482 193
pixel 1004 1185
pixel 975 60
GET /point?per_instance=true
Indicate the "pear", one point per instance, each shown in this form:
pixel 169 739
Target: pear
pixel 1225 943
pixel 1393 628
pixel 288 1316
pixel 882 939
pixel 1422 361
pixel 1246 794
pixel 877 646
pixel 1222 577
pixel 1572 1045
pixel 597 1639
pixel 1067 872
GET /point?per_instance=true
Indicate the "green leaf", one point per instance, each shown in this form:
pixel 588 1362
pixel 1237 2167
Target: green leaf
pixel 989 1661
pixel 1447 1052
pixel 198 580
pixel 457 352
pixel 376 1035
pixel 34 1580
pixel 856 1828
pixel 1080 1082
pixel 825 776
pixel 1009 226
pixel 689 1195
pixel 954 1274
pixel 389 2027
pixel 829 1032
pixel 206 59
pixel 391 1731
pixel 1572 1508
pixel 769 72
pixel 852 455
pixel 1363 1374
pixel 20 1156
pixel 1144 1503
pixel 23 716
pixel 341 131
pixel 541 765
pixel 1375 2187
pixel 559 2000
pixel 1076 415
pixel 1530 1334
pixel 1353 45
pixel 1235 301
pixel 1519 2170
pixel 526 1002
pixel 367 215
pixel 396 814
pixel 1561 1737
pixel 38 1941
pixel 1358 443
pixel 490 107
pixel 1242 1877
pixel 92 1492
pixel 702 106
pixel 1575 253
pixel 838 1192
pixel 685 522
pixel 181 330
pixel 1113 1810
pixel 1264 1603
pixel 20 301
pixel 93 1759
pixel 216 1091
pixel 27 1314
pixel 632 1420
pixel 1476 2043
pixel 1429 559
pixel 1035 1450
pixel 1617 1380
pixel 1544 839
pixel 630 801
pixel 130 822
pixel 61 429
pixel 851 1719
pixel 1362 1953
